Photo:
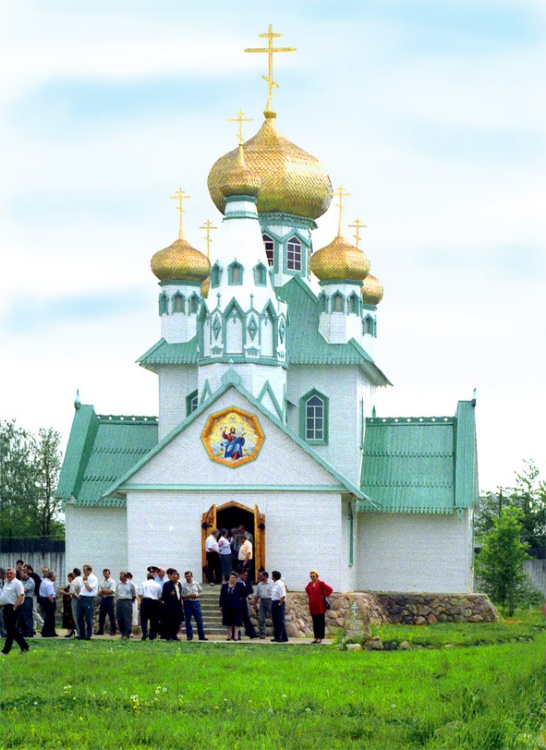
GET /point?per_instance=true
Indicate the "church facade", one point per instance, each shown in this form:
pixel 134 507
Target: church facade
pixel 267 382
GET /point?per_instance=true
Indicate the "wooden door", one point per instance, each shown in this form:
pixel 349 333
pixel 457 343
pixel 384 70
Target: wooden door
pixel 259 540
pixel 208 523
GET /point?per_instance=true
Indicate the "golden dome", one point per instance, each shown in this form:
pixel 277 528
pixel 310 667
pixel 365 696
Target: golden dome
pixel 340 260
pixel 292 181
pixel 180 262
pixel 371 290
pixel 241 180
pixel 205 288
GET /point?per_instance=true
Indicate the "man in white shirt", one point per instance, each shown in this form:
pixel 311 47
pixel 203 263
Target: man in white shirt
pixel 191 593
pixel 212 550
pixel 150 594
pixel 107 591
pixel 11 598
pixel 48 595
pixel 278 599
pixel 86 601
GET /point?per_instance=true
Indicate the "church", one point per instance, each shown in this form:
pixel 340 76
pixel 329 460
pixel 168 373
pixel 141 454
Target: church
pixel 267 379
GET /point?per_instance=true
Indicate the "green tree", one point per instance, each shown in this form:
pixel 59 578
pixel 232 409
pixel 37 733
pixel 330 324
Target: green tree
pixel 502 557
pixel 29 471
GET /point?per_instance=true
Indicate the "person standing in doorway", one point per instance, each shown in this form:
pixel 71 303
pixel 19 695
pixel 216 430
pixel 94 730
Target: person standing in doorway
pixel 11 598
pixel 278 600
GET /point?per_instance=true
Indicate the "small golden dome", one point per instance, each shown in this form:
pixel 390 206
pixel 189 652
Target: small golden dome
pixel 292 181
pixel 205 288
pixel 180 262
pixel 372 290
pixel 241 180
pixel 340 260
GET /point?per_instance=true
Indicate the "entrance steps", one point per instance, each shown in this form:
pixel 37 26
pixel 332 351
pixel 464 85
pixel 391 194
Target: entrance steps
pixel 212 614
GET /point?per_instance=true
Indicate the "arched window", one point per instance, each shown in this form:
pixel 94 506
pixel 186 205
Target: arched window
pixel 293 254
pixel 337 302
pixel 314 417
pixel 260 272
pixel 368 325
pixel 269 245
pixel 323 302
pixel 194 304
pixel 178 303
pixel 353 303
pixel 235 274
pixel 162 303
pixel 215 273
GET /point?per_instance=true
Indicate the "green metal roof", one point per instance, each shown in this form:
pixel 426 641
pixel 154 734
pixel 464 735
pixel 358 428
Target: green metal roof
pixel 420 464
pixel 304 343
pixel 163 353
pixel 101 449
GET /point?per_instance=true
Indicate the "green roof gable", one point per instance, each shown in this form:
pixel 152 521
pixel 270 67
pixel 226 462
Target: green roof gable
pixel 305 345
pixel 163 353
pixel 100 450
pixel 420 464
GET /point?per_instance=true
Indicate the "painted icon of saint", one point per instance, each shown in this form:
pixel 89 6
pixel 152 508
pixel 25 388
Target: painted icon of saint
pixel 233 444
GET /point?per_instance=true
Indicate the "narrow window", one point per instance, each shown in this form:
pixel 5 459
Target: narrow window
pixel 337 301
pixel 192 402
pixel 178 305
pixel 194 305
pixel 314 419
pixel 260 275
pixel 235 274
pixel 269 248
pixel 293 254
pixel 353 304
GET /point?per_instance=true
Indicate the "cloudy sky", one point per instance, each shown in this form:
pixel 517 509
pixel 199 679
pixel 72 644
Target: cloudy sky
pixel 430 113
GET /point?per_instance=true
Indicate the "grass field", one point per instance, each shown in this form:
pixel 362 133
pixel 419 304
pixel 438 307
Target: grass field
pixel 112 694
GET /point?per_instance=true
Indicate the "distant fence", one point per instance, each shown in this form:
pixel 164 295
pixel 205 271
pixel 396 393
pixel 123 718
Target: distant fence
pixel 38 552
pixel 535 568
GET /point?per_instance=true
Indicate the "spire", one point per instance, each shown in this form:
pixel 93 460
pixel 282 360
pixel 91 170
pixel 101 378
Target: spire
pixel 208 227
pixel 357 226
pixel 180 196
pixel 240 119
pixel 340 193
pixel 270 50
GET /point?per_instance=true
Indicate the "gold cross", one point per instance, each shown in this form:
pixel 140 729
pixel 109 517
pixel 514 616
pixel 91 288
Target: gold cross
pixel 270 49
pixel 180 196
pixel 240 119
pixel 358 225
pixel 208 227
pixel 340 193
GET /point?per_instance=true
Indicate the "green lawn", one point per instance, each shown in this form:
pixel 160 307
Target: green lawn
pixel 110 695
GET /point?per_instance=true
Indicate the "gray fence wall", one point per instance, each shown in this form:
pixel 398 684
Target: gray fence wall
pixel 35 552
pixel 536 572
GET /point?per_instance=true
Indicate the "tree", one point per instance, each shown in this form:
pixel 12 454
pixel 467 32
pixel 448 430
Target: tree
pixel 29 471
pixel 502 557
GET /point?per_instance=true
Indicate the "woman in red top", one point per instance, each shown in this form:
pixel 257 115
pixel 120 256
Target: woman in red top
pixel 316 590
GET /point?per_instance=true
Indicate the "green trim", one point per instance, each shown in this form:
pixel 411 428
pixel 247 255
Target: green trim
pixel 369 307
pixel 230 269
pixel 178 296
pixel 291 220
pixel 335 282
pixel 215 275
pixel 194 395
pixel 303 417
pixel 128 487
pixel 241 360
pixel 466 475
pixel 78 452
pixel 269 390
pixel 207 392
pixel 257 268
pixel 203 407
pixel 402 510
pixel 163 303
pixel 178 282
pixel 242 215
pixel 351 535
pixel 242 197
pixel 304 256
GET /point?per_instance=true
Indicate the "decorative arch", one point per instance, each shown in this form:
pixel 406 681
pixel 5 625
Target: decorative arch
pixel 193 304
pixel 323 302
pixel 235 274
pixel 368 325
pixel 314 418
pixel 338 302
pixel 353 304
pixel 178 303
pixel 260 274
pixel 234 328
pixel 215 275
pixel 163 303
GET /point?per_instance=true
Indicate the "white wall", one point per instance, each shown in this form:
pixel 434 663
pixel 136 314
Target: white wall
pixel 414 553
pixel 98 537
pixel 303 531
pixel 175 383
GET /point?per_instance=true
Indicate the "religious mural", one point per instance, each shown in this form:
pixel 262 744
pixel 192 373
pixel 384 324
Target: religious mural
pixel 232 437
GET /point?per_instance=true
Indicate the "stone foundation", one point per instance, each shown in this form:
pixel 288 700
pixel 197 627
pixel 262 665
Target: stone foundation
pixel 378 608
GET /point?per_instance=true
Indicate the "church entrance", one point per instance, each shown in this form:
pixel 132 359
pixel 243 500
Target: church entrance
pixel 232 515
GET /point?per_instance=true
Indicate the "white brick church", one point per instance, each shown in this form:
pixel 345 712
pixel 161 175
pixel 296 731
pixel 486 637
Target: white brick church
pixel 267 384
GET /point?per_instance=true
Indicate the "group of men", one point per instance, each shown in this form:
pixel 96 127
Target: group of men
pixel 28 602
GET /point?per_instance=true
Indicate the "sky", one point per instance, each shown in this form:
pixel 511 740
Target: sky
pixel 431 114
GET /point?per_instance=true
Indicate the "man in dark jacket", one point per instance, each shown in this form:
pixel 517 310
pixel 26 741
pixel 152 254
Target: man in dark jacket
pixel 249 627
pixel 171 606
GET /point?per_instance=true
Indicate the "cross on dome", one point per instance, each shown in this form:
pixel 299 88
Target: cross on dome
pixel 270 50
pixel 180 196
pixel 240 119
pixel 340 193
pixel 358 225
pixel 208 227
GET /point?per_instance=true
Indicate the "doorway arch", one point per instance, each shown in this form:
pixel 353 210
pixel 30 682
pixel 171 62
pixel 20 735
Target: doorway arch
pixel 230 515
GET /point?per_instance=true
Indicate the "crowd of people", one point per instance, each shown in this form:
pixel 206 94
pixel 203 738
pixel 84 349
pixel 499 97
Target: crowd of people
pixel 29 603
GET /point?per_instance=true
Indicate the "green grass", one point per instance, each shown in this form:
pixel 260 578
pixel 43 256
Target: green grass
pixel 109 695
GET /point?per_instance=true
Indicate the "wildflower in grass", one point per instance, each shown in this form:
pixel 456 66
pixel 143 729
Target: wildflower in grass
pixel 164 689
pixel 307 709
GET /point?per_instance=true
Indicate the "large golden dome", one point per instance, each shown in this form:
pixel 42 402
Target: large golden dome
pixel 340 260
pixel 292 181
pixel 180 262
pixel 372 290
pixel 241 180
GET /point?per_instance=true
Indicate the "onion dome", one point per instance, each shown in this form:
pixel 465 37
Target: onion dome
pixel 372 290
pixel 205 288
pixel 241 180
pixel 292 181
pixel 341 261
pixel 180 262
